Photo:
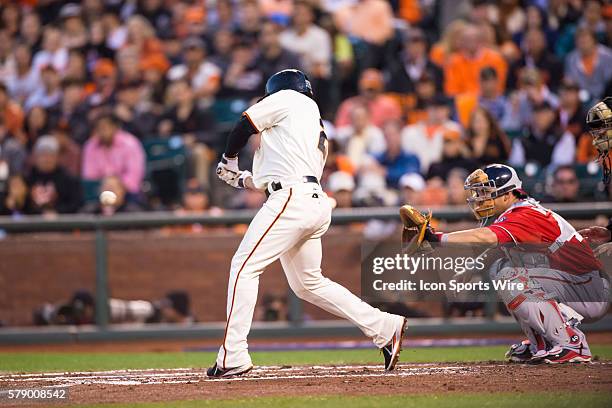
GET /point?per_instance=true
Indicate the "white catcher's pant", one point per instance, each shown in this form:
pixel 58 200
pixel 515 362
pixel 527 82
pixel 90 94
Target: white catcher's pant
pixel 289 226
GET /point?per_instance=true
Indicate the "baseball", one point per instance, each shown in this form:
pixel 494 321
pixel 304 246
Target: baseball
pixel 108 198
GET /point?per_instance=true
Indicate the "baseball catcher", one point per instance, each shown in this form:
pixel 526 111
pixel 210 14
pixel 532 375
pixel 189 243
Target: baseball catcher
pixel 599 122
pixel 565 286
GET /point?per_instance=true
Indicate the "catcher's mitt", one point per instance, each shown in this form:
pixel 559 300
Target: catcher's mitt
pixel 415 228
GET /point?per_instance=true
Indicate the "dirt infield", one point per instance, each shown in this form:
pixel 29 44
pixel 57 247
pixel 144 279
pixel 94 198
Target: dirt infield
pixel 182 384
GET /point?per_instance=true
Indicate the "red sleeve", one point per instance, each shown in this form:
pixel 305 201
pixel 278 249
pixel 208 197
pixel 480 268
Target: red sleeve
pixel 519 226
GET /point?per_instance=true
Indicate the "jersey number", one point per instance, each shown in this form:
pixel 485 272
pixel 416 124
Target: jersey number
pixel 322 141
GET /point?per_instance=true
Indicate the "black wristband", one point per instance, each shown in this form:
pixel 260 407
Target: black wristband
pixel 609 227
pixel 430 235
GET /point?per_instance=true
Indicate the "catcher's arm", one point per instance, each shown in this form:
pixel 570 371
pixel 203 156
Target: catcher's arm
pixel 417 229
pixel 471 236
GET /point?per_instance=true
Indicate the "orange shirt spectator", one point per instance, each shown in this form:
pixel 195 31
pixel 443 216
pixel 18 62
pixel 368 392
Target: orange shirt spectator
pixel 462 73
pixel 13 114
pixel 462 70
pixel 410 11
pixel 441 51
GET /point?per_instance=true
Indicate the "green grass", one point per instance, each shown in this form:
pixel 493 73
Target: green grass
pixel 56 361
pixel 501 400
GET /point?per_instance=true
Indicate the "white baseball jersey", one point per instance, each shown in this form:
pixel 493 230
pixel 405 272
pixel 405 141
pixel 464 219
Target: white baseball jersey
pixel 289 227
pixel 292 142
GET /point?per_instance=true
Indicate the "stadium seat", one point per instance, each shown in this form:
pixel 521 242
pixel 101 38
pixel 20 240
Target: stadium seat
pixel 166 168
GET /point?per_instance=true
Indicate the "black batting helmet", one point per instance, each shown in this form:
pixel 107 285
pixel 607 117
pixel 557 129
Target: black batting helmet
pixel 289 79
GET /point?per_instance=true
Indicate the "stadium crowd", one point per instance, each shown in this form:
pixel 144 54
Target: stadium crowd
pixel 137 96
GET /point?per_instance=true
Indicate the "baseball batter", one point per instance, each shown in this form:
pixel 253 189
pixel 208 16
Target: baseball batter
pixel 563 283
pixel 287 167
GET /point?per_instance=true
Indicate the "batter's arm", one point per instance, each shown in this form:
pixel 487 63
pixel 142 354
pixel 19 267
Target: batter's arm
pixel 239 136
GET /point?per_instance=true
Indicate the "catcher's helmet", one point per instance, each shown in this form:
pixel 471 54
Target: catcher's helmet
pixel 289 79
pixel 599 122
pixel 485 185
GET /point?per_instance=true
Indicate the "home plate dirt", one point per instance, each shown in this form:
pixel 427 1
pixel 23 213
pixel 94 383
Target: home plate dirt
pixel 189 383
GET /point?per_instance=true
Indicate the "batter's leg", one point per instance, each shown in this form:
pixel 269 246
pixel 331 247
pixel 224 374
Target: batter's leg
pixel 268 236
pixel 302 265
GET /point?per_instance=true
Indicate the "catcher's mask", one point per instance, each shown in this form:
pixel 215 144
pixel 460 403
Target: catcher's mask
pixel 485 185
pixel 599 122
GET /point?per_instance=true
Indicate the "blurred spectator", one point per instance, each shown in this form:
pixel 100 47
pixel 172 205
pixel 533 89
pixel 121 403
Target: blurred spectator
pixel 520 106
pixel 565 185
pixel 52 189
pixel 69 151
pixel 462 71
pixel 593 18
pixel 487 141
pixel 249 20
pixel 394 159
pixel 361 137
pixel 105 81
pixel 273 57
pixel 111 151
pixel 411 185
pixel 243 78
pixel 203 75
pixel 133 114
pixel 21 81
pixel 572 116
pixel 425 93
pixel 590 65
pixel 381 108
pixel 37 124
pixel 370 21
pixel 222 17
pixel 13 154
pixel 450 43
pixel 489 98
pixel 341 185
pixel 537 55
pixel 196 199
pixel 31 31
pixel 74 33
pixel 13 117
pixel 413 62
pixel 426 138
pixel 194 125
pixel 223 43
pixel 71 111
pixel 53 52
pixel 545 143
pixel 314 47
pixel 49 92
pixel 455 154
pixel 273 308
pixel 16 200
pixel 455 181
pixel 435 193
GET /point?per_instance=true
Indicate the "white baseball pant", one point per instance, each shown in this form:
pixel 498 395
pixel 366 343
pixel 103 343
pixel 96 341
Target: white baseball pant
pixel 289 226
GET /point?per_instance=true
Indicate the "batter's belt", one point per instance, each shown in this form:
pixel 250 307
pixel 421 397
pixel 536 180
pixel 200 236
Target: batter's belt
pixel 277 185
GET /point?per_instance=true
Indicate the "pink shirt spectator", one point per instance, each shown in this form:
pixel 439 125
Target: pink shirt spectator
pixel 381 109
pixel 125 159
